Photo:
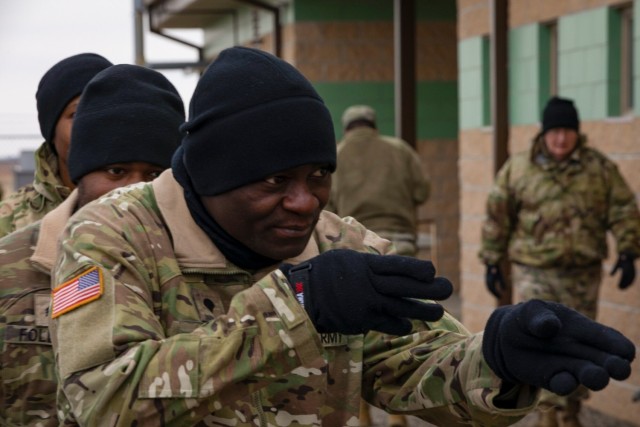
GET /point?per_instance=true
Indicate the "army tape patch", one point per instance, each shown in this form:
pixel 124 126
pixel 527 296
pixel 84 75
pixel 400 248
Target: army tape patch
pixel 78 291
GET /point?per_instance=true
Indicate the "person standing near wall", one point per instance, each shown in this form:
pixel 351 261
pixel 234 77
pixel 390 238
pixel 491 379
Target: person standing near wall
pixel 380 183
pixel 57 98
pixel 379 180
pixel 124 132
pixel 549 212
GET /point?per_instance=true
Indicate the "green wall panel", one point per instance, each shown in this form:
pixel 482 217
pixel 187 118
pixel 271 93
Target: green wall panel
pixel 437 111
pixel 524 87
pixel 343 10
pixel 636 57
pixel 584 55
pixel 473 77
pixel 369 10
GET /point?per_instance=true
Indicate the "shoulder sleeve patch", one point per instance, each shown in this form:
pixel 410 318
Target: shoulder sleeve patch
pixel 82 289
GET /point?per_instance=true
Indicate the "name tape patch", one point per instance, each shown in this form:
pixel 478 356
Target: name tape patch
pixel 80 290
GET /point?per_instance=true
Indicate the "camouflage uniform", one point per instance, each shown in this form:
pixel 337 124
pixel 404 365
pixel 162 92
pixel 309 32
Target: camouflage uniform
pixel 32 202
pixel 555 215
pixel 180 337
pixel 380 182
pixel 28 393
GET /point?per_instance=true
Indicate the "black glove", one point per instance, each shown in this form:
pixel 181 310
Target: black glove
pixel 351 292
pixel 495 281
pixel 625 263
pixel 549 345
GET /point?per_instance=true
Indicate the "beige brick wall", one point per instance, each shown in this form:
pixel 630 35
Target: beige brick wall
pixel 439 217
pixel 619 309
pixel 474 16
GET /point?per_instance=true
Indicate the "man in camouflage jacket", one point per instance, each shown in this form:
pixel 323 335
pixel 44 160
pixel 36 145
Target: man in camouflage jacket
pixel 57 99
pixel 549 212
pixel 27 374
pixel 222 294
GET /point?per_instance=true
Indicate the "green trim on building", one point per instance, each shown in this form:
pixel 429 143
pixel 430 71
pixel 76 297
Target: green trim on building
pixel 636 57
pixel 436 106
pixel 614 58
pixel 342 10
pixel 436 10
pixel 437 110
pixel 544 70
pixel 369 10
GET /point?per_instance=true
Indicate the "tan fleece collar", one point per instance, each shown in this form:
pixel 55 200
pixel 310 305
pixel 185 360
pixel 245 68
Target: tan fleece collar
pixel 51 228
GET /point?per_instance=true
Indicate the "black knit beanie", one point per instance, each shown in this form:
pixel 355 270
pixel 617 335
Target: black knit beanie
pixel 63 82
pixel 127 113
pixel 560 113
pixel 251 115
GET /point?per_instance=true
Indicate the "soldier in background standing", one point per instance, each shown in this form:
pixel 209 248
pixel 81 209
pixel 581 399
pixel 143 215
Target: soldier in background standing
pixel 380 183
pixel 125 131
pixel 57 98
pixel 549 212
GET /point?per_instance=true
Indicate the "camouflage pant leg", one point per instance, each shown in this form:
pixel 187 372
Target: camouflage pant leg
pixel 574 287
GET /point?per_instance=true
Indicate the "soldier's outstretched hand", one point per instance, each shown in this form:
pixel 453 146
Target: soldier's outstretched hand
pixel 352 292
pixel 549 345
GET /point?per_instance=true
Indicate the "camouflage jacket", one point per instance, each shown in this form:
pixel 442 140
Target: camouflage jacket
pixel 28 389
pixel 32 202
pixel 545 213
pixel 379 181
pixel 174 335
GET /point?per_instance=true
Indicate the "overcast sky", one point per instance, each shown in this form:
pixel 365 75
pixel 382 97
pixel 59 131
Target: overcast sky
pixel 35 34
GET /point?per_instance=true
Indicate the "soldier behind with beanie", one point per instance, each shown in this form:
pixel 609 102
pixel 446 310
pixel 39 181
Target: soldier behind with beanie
pixel 223 294
pixel 57 98
pixel 125 131
pixel 548 213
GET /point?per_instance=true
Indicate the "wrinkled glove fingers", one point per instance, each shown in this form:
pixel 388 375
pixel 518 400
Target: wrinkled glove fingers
pixel 410 309
pixel 588 374
pixel 615 366
pixel 598 336
pixel 404 287
pixel 401 265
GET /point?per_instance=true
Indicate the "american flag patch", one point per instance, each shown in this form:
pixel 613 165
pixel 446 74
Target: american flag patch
pixel 78 291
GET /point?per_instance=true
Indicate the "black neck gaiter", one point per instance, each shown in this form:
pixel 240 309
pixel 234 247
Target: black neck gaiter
pixel 233 250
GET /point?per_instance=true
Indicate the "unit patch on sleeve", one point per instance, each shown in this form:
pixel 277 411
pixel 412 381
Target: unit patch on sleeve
pixel 78 291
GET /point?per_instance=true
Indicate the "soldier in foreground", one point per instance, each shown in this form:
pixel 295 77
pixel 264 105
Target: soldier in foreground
pixel 57 98
pixel 125 131
pixel 548 213
pixel 225 295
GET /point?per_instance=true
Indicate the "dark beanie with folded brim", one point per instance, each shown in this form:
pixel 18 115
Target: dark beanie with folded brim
pixel 251 115
pixel 127 113
pixel 560 113
pixel 61 84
